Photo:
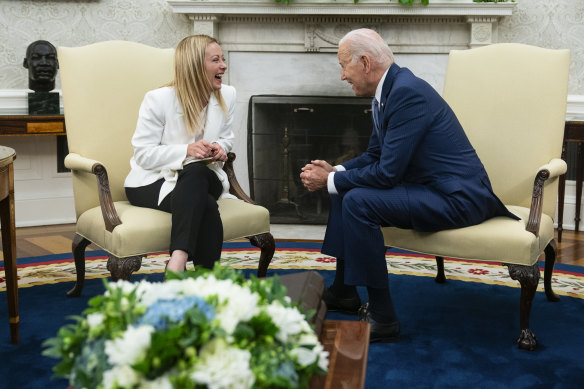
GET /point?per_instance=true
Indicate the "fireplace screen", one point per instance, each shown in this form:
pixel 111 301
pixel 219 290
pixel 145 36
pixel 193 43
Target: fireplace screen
pixel 287 132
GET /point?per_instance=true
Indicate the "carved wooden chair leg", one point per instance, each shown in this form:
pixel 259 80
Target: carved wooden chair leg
pixel 550 259
pixel 528 277
pixel 78 249
pixel 122 268
pixel 440 276
pixel 267 246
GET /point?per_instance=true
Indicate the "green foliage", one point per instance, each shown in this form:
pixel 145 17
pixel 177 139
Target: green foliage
pixel 69 341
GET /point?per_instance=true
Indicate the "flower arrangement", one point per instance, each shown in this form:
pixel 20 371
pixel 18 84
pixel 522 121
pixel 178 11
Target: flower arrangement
pixel 202 329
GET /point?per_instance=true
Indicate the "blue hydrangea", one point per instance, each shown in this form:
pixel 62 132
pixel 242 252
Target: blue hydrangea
pixel 173 310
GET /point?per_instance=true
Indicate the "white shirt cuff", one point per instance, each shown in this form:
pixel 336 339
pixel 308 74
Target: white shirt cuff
pixel 330 183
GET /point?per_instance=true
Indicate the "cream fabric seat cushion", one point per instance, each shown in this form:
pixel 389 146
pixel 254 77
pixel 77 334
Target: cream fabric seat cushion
pixel 509 242
pixel 145 230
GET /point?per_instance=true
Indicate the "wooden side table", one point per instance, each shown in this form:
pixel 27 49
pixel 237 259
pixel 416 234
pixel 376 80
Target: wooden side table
pixel 32 125
pixel 573 132
pixel 7 156
pixel 348 345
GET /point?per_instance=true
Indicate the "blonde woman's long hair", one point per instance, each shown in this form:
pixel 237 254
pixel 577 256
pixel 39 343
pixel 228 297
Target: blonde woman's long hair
pixel 191 84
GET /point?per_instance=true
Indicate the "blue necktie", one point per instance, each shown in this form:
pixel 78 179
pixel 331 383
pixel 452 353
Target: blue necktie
pixel 375 114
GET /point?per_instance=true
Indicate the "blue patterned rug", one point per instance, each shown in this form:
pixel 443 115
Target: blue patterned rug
pixel 455 335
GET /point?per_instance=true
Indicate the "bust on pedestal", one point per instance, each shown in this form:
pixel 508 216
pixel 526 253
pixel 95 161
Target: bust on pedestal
pixel 41 62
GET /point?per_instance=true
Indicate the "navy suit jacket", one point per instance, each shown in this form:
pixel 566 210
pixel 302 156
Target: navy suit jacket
pixel 422 144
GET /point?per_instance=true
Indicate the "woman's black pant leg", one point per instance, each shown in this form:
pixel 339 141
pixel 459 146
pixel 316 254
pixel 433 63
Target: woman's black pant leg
pixel 210 238
pixel 196 223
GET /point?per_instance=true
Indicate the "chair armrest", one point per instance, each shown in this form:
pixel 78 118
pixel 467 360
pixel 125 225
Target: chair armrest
pixel 75 161
pixel 555 168
pixel 234 187
pixel 108 210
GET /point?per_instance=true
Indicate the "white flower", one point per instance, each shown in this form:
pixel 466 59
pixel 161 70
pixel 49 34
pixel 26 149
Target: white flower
pixel 308 339
pixel 289 321
pixel 130 347
pixel 94 319
pixel 323 358
pixel 223 367
pixel 161 291
pixel 240 306
pixel 125 286
pixel 122 376
pixel 305 356
pixel 236 303
pixel 162 382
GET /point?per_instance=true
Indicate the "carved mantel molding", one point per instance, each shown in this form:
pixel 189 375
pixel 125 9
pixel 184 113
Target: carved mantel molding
pixel 323 15
pixel 340 7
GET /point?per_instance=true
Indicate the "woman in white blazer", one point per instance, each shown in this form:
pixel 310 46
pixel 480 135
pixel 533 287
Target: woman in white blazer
pixel 181 140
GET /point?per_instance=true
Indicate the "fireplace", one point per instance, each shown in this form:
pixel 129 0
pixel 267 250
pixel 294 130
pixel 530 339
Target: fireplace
pixel 287 132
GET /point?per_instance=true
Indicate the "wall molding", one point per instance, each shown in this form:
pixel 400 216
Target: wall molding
pixel 332 7
pixel 575 107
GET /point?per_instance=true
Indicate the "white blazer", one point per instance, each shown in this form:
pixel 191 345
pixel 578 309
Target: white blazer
pixel 161 138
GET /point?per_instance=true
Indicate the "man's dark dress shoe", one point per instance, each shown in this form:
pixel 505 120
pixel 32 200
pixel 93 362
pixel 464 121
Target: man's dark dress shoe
pixel 379 332
pixel 346 305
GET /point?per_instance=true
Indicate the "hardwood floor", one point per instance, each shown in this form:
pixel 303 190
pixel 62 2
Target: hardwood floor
pixel 44 240
pixel 571 249
pixel 56 239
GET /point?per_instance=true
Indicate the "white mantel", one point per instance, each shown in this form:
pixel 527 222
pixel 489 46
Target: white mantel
pixel 339 7
pixel 482 18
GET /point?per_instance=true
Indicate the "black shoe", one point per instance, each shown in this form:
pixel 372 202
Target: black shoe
pixel 346 305
pixel 379 332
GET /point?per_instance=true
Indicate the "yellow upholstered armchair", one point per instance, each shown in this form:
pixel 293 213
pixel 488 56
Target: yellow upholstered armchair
pixel 511 101
pixel 103 86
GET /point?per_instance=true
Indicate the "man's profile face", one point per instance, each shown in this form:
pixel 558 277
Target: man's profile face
pixel 352 72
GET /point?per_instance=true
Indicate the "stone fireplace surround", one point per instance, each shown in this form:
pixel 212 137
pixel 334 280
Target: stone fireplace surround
pixel 278 49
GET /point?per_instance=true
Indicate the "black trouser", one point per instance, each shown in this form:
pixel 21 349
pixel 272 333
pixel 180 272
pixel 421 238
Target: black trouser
pixel 196 223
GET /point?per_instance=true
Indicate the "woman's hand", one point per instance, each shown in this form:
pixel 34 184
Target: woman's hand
pixel 218 153
pixel 201 149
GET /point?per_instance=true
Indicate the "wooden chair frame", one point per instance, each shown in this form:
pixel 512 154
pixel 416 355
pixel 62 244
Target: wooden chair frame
pixel 122 268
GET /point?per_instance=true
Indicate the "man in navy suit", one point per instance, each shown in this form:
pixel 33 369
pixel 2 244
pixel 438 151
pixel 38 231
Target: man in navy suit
pixel 419 172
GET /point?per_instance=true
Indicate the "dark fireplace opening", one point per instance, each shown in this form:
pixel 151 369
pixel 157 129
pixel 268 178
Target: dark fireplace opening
pixel 287 132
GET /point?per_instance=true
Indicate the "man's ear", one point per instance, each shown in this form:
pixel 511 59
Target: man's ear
pixel 25 63
pixel 366 62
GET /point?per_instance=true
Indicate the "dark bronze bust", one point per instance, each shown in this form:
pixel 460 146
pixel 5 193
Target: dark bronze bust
pixel 41 62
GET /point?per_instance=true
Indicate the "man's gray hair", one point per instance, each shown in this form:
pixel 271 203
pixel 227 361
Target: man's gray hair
pixel 364 41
